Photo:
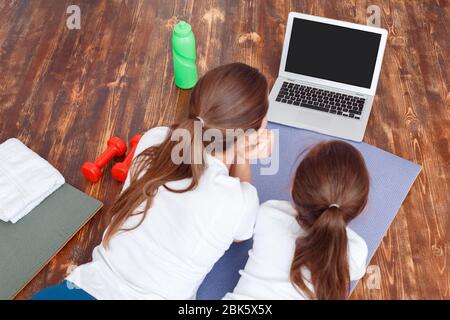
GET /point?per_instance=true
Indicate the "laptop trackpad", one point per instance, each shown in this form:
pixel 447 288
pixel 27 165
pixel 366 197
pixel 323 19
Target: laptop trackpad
pixel 315 120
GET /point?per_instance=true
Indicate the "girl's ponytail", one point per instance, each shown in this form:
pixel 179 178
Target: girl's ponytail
pixel 152 169
pixel 195 160
pixel 323 250
pixel 330 188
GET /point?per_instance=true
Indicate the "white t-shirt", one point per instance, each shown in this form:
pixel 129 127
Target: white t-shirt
pixel 266 274
pixel 183 235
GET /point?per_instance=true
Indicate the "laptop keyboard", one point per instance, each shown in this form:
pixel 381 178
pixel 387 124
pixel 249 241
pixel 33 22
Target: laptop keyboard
pixel 321 100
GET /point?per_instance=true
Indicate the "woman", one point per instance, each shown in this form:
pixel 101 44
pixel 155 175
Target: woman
pixel 175 218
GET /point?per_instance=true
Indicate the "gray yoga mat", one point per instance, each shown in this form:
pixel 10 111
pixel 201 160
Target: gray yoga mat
pixel 27 246
pixel 391 178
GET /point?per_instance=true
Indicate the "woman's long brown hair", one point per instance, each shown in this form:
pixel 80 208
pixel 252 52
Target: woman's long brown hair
pixel 332 172
pixel 233 96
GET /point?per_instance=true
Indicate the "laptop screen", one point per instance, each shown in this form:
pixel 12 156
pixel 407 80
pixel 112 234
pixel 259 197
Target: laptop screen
pixel 332 52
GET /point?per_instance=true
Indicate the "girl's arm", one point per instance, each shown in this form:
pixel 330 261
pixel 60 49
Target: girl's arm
pixel 257 145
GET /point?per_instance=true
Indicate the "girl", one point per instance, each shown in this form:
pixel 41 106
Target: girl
pixel 306 251
pixel 173 221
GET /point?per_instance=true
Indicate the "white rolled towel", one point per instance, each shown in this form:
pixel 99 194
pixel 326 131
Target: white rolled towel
pixel 26 180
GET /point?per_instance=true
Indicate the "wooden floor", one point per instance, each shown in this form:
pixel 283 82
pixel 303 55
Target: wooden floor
pixel 65 92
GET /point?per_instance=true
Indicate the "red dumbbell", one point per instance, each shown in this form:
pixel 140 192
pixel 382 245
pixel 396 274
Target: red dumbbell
pixel 93 170
pixel 120 170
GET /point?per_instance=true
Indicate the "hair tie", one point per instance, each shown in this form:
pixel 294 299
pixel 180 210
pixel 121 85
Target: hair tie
pixel 333 205
pixel 201 120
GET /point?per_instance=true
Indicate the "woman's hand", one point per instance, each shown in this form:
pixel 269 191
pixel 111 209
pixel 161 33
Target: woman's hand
pixel 256 145
pixel 250 147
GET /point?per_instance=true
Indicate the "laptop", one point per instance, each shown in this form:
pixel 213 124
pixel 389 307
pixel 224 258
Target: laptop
pixel 328 76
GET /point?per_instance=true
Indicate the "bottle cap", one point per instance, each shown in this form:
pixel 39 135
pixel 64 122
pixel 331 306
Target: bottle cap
pixel 182 28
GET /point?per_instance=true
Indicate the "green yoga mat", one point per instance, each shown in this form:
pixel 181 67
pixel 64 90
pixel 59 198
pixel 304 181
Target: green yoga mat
pixel 27 246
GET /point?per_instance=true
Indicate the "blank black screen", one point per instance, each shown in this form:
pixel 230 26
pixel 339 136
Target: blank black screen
pixel 332 52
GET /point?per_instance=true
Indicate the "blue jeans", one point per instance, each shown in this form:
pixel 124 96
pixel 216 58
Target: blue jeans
pixel 63 291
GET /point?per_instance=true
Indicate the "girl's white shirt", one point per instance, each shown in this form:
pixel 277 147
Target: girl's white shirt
pixel 267 272
pixel 183 235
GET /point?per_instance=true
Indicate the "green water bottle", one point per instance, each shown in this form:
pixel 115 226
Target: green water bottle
pixel 183 51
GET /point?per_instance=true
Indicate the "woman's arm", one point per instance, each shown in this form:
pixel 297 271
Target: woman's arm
pixel 257 145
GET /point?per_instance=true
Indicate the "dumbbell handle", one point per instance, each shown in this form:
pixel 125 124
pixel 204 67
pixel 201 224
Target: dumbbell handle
pixel 130 155
pixel 106 156
pixel 120 170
